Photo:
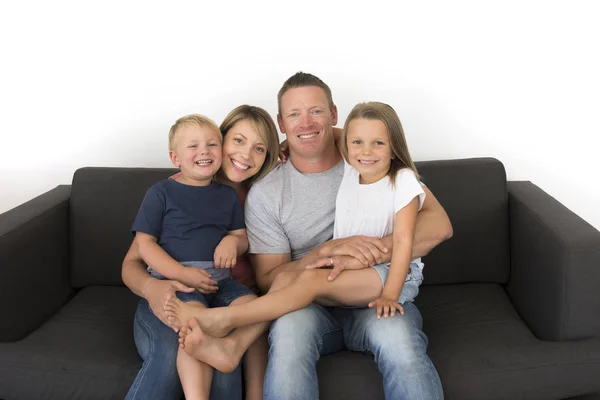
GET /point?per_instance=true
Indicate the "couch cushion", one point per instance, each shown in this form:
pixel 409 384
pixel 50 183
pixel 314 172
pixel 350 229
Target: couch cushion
pixel 104 203
pixel 483 350
pixel 84 351
pixel 473 192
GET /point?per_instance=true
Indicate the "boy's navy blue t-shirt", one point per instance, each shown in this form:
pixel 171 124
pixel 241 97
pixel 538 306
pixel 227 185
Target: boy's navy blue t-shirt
pixel 189 221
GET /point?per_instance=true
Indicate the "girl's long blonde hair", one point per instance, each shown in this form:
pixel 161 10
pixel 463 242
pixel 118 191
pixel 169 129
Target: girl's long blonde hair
pixel 374 110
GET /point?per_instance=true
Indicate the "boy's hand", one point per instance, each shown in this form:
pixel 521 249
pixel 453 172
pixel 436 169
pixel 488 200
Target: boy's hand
pixel 387 306
pixel 226 252
pixel 200 279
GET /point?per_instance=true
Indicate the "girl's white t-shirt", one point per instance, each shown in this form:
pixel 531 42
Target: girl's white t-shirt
pixel 370 209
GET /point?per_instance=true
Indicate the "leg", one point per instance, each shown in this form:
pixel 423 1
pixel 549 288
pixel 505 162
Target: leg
pixel 224 354
pixel 356 287
pixel 297 340
pixel 399 347
pixel 254 367
pixel 227 386
pixel 256 351
pixel 195 375
pixel 157 345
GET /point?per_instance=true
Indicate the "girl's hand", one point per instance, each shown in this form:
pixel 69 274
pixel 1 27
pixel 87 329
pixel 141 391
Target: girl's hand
pixel 387 306
pixel 283 151
pixel 226 252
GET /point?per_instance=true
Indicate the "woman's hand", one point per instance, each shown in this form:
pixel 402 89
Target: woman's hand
pixel 284 152
pixel 156 293
pixel 387 306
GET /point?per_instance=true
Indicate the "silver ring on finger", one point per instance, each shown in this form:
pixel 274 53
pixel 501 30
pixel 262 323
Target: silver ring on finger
pixel 330 261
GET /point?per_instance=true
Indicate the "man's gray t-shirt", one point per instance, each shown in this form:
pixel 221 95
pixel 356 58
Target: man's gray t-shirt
pixel 291 212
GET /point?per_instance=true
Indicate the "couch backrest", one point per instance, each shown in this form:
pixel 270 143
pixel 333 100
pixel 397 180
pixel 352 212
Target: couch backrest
pixel 473 193
pixel 104 202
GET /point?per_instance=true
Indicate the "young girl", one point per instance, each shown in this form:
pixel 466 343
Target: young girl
pixel 380 194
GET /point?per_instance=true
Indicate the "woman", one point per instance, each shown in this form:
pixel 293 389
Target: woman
pixel 250 150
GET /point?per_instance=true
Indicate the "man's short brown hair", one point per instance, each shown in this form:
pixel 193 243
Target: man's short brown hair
pixel 302 79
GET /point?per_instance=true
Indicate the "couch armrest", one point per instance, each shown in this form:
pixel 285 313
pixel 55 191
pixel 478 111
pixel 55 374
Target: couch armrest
pixel 34 262
pixel 555 266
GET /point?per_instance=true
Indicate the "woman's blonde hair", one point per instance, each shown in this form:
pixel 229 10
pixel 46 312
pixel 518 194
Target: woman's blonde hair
pixel 382 112
pixel 263 124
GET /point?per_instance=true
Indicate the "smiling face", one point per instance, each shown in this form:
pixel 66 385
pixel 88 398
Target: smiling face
pixel 369 149
pixel 197 152
pixel 307 120
pixel 244 152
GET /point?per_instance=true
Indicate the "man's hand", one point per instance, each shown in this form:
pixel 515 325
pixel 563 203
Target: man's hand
pixel 226 252
pixel 156 293
pixel 338 264
pixel 386 306
pixel 199 279
pixel 368 250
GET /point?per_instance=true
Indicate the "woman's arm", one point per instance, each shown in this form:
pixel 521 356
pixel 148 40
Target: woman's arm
pixel 137 279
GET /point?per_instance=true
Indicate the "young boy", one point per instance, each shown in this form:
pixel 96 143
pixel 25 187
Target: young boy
pixel 191 229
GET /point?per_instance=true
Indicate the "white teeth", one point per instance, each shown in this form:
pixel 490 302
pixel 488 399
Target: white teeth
pixel 240 165
pixel 366 162
pixel 307 135
pixel 204 162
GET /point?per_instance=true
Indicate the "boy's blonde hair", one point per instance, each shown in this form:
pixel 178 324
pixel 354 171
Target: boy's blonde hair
pixel 263 124
pixel 382 112
pixel 196 119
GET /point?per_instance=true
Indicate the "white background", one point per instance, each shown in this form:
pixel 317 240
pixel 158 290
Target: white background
pixel 99 84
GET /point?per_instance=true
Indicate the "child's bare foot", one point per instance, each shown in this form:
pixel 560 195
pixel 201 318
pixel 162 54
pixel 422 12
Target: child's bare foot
pixel 183 332
pixel 218 353
pixel 212 320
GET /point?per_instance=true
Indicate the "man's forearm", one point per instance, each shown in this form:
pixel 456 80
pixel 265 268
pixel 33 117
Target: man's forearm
pixel 431 229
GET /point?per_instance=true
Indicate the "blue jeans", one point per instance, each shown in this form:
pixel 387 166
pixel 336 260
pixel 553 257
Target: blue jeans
pixel 157 379
pixel 298 339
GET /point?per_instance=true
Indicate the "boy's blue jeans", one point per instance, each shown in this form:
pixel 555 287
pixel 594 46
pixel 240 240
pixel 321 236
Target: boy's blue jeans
pixel 157 379
pixel 298 339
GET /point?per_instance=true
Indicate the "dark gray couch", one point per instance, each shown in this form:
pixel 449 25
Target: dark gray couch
pixel 511 303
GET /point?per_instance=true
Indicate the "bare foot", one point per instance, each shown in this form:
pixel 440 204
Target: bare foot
pixel 183 332
pixel 218 353
pixel 212 320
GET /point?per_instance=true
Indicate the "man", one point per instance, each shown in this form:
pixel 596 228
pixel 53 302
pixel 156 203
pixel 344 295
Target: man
pixel 289 218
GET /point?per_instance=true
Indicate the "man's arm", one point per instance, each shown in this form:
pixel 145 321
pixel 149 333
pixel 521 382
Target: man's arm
pixel 267 266
pixel 355 252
